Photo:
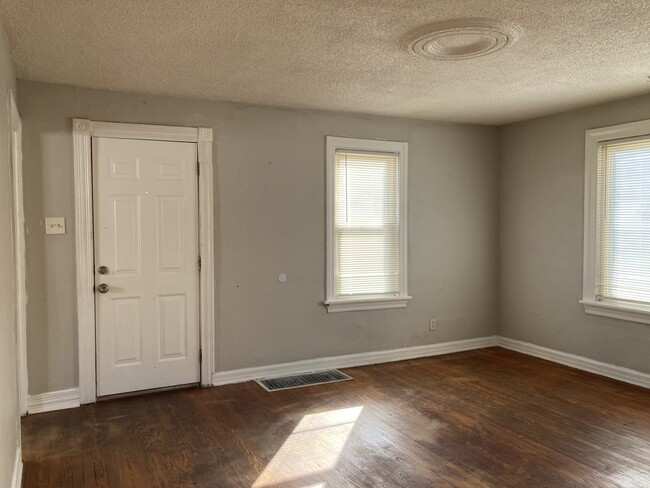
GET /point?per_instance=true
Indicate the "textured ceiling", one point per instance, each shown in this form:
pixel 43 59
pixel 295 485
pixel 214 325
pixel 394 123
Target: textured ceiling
pixel 337 54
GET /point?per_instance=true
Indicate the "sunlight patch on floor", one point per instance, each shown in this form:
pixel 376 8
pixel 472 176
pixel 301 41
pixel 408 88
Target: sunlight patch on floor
pixel 313 447
pixel 629 478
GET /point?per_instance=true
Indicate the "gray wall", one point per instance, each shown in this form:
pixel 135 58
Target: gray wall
pixel 269 214
pixel 9 418
pixel 541 238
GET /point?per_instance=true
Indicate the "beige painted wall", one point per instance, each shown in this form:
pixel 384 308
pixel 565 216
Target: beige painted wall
pixel 9 418
pixel 270 212
pixel 541 238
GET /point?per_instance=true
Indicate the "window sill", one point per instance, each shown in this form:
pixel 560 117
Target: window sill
pixel 618 310
pixel 356 304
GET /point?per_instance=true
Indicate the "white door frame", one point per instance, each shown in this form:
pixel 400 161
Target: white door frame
pixel 16 131
pixel 83 130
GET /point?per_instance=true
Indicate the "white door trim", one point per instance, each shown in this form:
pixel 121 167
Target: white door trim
pixel 19 251
pixel 82 131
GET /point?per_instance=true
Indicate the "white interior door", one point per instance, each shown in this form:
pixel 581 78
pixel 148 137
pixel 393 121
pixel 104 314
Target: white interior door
pixel 146 236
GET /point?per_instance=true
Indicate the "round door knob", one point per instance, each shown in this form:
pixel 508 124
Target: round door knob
pixel 103 288
pixel 102 270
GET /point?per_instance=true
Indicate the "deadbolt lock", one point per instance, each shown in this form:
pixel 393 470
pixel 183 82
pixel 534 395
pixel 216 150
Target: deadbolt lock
pixel 102 270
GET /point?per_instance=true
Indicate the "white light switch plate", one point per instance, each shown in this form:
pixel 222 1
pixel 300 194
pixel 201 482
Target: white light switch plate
pixel 55 225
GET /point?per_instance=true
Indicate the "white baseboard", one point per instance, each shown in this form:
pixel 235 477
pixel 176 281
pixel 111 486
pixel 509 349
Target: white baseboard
pixel 17 478
pixel 59 400
pixel 349 360
pixel 53 400
pixel 604 369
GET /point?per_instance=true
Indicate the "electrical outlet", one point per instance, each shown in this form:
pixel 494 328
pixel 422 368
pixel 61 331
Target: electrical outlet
pixel 432 324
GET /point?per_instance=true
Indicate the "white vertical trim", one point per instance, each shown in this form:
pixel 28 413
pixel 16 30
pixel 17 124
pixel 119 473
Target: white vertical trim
pixel 85 259
pixel 332 144
pixel 17 476
pixel 16 131
pixel 83 130
pixel 206 246
pixel 330 199
pixel 403 205
pixel 590 255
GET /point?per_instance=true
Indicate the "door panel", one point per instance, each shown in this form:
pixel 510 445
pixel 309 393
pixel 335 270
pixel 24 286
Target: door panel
pixel 173 328
pixel 125 227
pixel 146 233
pixel 127 331
pixel 170 234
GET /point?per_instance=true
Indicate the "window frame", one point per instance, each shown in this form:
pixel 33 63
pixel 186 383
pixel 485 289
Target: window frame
pixel 370 302
pixel 591 260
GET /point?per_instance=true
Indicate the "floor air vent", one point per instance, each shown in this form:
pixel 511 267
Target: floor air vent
pixel 298 381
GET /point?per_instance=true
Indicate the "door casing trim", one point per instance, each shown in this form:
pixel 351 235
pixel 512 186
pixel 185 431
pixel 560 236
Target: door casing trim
pixel 82 132
pixel 16 131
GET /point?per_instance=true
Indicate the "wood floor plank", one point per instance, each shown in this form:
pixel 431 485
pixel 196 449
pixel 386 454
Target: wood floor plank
pixel 485 418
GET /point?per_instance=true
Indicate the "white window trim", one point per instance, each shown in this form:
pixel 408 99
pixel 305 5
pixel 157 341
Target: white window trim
pixel 609 308
pixel 359 303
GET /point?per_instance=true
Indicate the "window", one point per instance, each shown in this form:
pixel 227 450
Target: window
pixel 617 222
pixel 366 224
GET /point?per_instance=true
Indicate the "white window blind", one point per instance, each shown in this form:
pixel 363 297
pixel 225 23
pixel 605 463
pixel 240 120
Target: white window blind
pixel 367 238
pixel 623 214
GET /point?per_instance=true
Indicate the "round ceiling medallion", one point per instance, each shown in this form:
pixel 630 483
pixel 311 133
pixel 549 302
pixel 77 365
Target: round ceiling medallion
pixel 462 38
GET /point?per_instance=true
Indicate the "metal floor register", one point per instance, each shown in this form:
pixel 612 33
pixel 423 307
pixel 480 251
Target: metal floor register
pixel 302 380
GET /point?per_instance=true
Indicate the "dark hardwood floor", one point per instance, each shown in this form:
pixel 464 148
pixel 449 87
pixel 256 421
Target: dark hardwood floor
pixel 481 418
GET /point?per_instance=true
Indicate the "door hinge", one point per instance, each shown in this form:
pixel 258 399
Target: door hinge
pixel 199 263
pixel 198 168
pixel 200 355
